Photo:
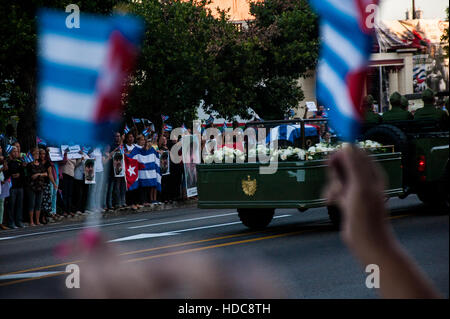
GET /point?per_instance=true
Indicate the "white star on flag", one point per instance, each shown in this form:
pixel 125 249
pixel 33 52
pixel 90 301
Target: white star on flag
pixel 131 170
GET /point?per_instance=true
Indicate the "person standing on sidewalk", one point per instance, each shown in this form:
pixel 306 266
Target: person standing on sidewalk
pixel 16 172
pixel 37 174
pixel 68 171
pixel 4 184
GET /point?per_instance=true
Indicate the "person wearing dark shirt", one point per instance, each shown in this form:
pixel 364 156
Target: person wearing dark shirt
pixel 396 113
pixel 37 175
pixel 370 116
pixel 17 174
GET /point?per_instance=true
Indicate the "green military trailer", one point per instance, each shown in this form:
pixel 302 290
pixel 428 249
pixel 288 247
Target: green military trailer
pixel 413 163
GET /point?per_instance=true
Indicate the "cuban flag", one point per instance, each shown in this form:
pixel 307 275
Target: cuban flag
pixel 167 128
pixel 132 167
pixel 164 117
pixel 85 149
pixel 8 149
pixel 40 141
pixel 146 132
pixel 136 120
pixel 149 173
pixel 346 43
pixel 126 129
pixel 210 120
pixel 28 158
pixel 81 74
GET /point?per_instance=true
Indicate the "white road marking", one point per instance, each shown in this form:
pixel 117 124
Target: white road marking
pixel 218 225
pixel 180 221
pixel 70 229
pixel 142 236
pixel 176 232
pixel 28 275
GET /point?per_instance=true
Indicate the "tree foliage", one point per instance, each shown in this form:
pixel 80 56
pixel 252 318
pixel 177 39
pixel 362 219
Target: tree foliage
pixel 18 59
pixel 188 58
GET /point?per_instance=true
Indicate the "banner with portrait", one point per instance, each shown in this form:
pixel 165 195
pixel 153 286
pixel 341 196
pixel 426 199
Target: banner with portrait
pixel 89 171
pixel 118 164
pixel 164 163
pixel 191 157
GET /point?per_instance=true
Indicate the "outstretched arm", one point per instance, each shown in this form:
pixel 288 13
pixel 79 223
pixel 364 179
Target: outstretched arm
pixel 357 186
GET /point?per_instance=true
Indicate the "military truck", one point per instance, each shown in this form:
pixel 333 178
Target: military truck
pixel 416 163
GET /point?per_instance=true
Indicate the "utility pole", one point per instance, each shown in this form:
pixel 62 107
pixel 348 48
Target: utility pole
pixel 414 9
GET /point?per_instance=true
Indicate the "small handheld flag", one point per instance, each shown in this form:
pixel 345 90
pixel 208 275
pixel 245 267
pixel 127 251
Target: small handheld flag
pixel 210 120
pixel 136 120
pixel 164 117
pixel 126 129
pixel 342 68
pixel 8 149
pixel 40 141
pixel 29 158
pixel 146 132
pixel 81 74
pixel 167 128
pixel 85 149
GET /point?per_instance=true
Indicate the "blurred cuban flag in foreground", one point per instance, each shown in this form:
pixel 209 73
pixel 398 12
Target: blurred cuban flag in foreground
pixel 82 72
pixel 346 28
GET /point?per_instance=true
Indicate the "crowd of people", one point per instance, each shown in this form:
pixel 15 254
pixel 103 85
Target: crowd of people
pixel 35 189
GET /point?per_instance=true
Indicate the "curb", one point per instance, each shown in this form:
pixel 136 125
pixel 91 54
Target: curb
pixel 128 211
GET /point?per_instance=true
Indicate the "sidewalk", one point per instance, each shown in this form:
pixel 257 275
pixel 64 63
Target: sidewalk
pixel 124 212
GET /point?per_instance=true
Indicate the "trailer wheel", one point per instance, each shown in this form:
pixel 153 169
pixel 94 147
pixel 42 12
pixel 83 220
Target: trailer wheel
pixel 388 135
pixel 256 218
pixel 335 216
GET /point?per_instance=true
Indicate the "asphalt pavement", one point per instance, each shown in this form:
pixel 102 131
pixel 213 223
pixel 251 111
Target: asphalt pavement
pixel 301 252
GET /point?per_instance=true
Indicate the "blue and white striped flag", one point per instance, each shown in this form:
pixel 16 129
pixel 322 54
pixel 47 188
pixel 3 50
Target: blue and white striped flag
pixel 150 176
pixel 29 158
pixel 210 120
pixel 346 29
pixel 8 149
pixel 126 129
pixel 81 74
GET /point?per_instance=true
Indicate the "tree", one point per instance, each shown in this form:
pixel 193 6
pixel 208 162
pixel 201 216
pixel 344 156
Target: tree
pixel 287 31
pixel 18 57
pixel 191 58
pixel 173 67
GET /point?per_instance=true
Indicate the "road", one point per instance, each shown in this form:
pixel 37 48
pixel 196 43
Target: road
pixel 301 252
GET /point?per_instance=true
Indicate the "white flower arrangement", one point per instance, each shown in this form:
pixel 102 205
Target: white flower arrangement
pixel 318 151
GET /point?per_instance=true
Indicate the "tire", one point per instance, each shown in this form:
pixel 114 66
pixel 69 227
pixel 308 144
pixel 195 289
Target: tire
pixel 335 216
pixel 256 218
pixel 388 135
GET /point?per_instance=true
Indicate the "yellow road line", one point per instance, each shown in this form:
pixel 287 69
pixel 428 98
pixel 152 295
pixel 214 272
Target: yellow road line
pixel 218 245
pixel 162 255
pixel 134 252
pixel 170 253
pixel 188 243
